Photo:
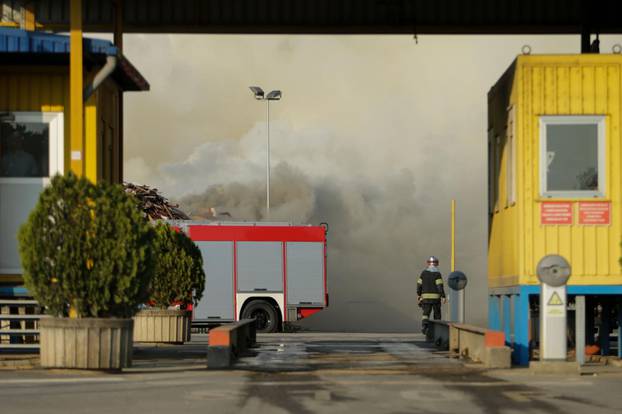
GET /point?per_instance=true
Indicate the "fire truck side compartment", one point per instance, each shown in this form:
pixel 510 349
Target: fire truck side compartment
pixel 217 301
pixel 250 261
pixel 305 273
pixel 260 266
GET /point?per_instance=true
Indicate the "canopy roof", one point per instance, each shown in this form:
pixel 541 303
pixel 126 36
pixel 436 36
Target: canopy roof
pixel 332 16
pixel 25 47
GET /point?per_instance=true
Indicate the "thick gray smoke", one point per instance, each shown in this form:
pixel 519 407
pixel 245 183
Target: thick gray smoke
pixel 292 199
pixel 375 135
pixel 372 237
pixel 382 225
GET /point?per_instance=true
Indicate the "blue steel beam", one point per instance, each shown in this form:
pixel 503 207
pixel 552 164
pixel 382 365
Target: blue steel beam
pixel 336 16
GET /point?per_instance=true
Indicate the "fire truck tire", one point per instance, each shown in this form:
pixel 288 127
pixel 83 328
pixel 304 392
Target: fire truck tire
pixel 267 320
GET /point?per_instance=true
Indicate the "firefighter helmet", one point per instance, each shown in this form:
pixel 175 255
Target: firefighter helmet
pixel 432 260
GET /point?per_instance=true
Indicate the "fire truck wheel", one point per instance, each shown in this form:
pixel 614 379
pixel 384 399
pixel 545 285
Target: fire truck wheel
pixel 265 316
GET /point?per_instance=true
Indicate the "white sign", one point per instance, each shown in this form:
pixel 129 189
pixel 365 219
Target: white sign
pixel 553 322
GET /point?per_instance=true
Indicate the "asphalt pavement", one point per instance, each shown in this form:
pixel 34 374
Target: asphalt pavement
pixel 307 373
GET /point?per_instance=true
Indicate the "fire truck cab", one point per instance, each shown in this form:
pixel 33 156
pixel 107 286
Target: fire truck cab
pixel 273 272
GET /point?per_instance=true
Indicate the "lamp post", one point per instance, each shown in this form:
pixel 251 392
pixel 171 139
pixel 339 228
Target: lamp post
pixel 272 96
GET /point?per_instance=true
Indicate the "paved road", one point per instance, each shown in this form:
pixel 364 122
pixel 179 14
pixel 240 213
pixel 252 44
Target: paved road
pixel 308 373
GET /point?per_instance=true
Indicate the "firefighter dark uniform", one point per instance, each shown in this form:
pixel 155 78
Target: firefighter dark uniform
pixel 430 292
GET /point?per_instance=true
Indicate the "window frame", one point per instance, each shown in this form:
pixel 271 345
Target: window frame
pixel 498 151
pixel 492 179
pixel 56 155
pixel 599 121
pixel 511 170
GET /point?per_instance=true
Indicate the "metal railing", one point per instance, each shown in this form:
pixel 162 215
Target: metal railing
pixel 19 324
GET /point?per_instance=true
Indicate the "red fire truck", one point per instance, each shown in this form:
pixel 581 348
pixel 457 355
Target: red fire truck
pixel 273 272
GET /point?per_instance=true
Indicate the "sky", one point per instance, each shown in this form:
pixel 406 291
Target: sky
pixel 374 135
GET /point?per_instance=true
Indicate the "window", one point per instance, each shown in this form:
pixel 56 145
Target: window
pixel 572 156
pixel 31 151
pixel 492 194
pixel 497 166
pixel 24 149
pixel 510 172
pixel 494 170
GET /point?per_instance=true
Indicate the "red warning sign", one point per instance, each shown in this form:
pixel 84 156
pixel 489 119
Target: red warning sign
pixel 594 212
pixel 555 213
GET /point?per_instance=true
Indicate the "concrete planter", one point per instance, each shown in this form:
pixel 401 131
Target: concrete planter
pixel 87 343
pixel 169 326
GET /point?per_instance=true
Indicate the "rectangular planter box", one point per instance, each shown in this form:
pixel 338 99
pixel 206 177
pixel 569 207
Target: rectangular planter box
pixel 170 326
pixel 86 343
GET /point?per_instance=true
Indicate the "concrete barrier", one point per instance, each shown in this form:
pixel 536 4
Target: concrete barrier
pixel 228 342
pixel 438 334
pixel 480 345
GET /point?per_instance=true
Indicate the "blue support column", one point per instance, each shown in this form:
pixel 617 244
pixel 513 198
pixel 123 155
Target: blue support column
pixel 494 320
pixel 520 355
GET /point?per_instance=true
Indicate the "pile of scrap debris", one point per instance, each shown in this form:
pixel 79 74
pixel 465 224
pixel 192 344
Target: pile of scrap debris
pixel 154 205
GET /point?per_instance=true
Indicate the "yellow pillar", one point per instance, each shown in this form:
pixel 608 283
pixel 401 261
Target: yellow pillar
pixel 76 87
pixel 28 16
pixel 453 235
pixel 118 42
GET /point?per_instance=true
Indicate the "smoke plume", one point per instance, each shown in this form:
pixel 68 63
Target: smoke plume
pixel 380 223
pixel 375 135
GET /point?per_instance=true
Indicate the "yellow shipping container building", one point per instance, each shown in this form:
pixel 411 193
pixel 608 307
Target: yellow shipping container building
pixel 555 165
pixel 35 120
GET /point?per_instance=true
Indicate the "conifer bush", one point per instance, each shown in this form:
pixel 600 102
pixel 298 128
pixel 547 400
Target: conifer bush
pixel 87 247
pixel 178 276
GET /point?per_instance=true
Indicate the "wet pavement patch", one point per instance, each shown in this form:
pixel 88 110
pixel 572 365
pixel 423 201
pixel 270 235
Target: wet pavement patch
pixel 350 347
pixel 495 396
pixel 289 393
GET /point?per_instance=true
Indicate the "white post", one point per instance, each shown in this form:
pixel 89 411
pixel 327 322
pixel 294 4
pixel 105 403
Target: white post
pixel 268 159
pixel 580 329
pixel 456 305
pixel 454 298
pixel 462 304
pixel 553 322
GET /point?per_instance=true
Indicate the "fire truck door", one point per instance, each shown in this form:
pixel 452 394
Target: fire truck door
pixel 305 273
pixel 217 300
pixel 260 266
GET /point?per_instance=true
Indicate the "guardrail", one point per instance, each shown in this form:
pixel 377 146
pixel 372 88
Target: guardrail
pixel 480 345
pixel 19 324
pixel 227 342
pixel 469 341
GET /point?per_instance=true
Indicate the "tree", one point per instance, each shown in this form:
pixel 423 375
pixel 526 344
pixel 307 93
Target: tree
pixel 179 275
pixel 87 247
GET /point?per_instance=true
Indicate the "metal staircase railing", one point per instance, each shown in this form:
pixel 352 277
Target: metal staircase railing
pixel 19 324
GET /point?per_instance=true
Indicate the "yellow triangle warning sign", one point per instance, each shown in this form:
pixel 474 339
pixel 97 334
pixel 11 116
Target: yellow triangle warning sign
pixel 555 300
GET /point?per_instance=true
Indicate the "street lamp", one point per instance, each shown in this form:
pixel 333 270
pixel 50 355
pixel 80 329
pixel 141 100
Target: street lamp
pixel 272 96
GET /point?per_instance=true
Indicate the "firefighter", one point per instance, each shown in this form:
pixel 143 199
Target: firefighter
pixel 430 292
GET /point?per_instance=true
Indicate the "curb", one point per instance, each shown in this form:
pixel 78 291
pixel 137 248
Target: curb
pixel 20 362
pixel 228 342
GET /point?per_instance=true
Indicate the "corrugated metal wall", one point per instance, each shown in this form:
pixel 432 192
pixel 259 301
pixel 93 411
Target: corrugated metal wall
pixel 503 232
pixel 37 90
pixel 109 162
pixel 10 11
pixel 340 16
pixel 46 89
pixel 572 85
pixel 560 85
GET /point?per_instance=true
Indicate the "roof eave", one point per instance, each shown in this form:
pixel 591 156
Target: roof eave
pixel 128 77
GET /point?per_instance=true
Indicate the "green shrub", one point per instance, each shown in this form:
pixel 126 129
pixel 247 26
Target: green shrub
pixel 87 247
pixel 179 268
